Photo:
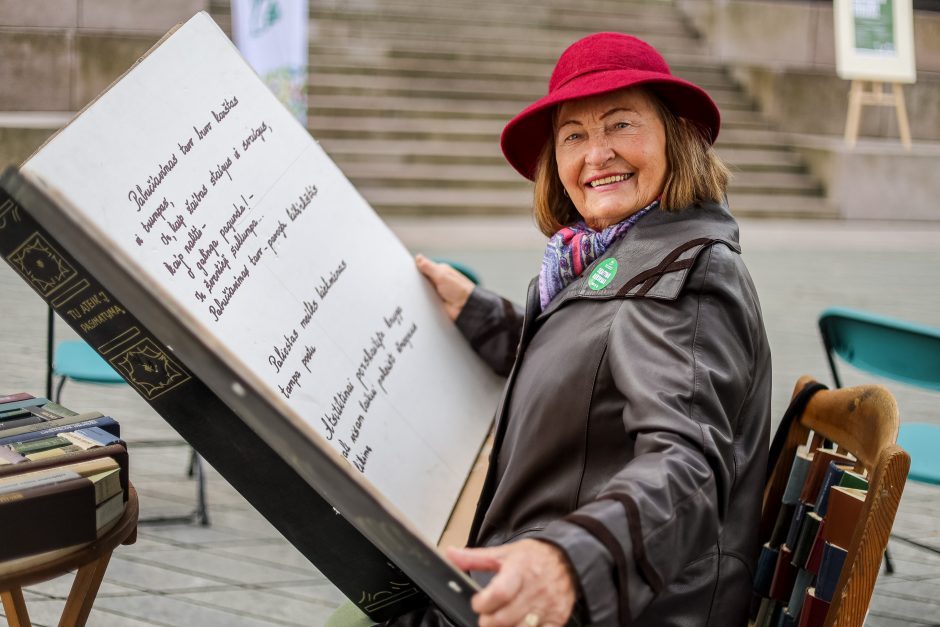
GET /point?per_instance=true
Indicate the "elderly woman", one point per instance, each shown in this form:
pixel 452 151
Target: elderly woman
pixel 625 481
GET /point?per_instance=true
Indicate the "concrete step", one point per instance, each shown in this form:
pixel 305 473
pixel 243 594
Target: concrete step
pixel 757 158
pixel 469 129
pixel 472 70
pixel 695 67
pixel 412 151
pixel 501 176
pixel 510 15
pixel 780 206
pixel 454 87
pixel 494 39
pixel 469 69
pixel 773 182
pixel 437 201
pixel 487 153
pixel 515 35
pixel 391 107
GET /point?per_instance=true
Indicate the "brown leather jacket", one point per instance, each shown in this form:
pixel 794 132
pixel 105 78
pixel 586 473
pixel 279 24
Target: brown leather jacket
pixel 633 430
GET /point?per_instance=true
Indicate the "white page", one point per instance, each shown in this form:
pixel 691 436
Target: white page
pixel 195 170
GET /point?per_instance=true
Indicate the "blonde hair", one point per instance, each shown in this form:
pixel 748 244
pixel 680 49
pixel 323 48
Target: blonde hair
pixel 695 173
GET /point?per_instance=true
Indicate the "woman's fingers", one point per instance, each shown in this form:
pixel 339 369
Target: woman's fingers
pixel 474 559
pixel 452 287
pixel 533 578
pixel 427 267
pixel 499 594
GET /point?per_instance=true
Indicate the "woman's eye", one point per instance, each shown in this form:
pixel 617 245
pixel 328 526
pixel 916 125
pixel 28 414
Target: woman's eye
pixel 571 137
pixel 622 125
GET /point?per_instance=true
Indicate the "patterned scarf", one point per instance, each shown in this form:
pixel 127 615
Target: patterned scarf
pixel 574 248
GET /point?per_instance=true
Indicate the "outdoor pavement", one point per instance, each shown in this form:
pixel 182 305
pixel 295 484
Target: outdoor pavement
pixel 239 571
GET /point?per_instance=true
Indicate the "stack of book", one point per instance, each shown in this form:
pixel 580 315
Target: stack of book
pixel 799 567
pixel 63 478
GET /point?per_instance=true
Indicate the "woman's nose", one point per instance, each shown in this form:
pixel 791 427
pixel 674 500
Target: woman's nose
pixel 599 151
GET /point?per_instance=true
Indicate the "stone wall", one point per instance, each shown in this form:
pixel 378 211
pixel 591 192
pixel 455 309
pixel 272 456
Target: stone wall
pixel 783 52
pixel 59 54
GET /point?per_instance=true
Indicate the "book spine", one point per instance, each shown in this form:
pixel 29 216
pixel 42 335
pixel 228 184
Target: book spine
pixel 9 408
pixel 52 411
pixel 12 398
pixel 360 570
pixel 833 476
pixel 34 517
pixel 8 456
pixel 117 452
pixel 17 422
pixel 105 422
pixel 34 446
pixel 832 560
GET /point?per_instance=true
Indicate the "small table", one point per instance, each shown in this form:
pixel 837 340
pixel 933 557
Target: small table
pixel 91 560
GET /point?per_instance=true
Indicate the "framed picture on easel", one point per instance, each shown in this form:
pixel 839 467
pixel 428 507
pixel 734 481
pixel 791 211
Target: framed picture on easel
pixel 875 43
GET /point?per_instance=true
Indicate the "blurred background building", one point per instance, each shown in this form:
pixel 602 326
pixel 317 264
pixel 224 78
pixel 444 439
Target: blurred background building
pixel 409 97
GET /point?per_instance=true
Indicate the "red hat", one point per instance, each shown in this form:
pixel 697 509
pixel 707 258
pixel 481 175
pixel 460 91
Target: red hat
pixel 598 64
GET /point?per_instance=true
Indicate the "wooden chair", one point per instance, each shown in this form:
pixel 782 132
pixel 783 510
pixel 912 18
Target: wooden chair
pixel 863 421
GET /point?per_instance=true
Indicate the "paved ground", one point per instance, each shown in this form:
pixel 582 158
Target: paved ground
pixel 238 571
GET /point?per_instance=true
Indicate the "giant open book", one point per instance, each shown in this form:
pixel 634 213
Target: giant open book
pixel 200 240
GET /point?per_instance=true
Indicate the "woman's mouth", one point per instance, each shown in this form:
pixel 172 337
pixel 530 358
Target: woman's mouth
pixel 608 180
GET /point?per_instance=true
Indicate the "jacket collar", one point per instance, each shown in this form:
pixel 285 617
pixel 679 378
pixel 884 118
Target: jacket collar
pixel 646 245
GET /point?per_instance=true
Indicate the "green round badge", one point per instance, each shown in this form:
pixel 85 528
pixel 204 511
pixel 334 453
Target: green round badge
pixel 603 274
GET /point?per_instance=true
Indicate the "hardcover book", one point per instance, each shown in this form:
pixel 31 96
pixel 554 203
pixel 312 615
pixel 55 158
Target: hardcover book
pixel 194 234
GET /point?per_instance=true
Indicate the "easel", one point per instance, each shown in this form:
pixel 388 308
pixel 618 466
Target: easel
pixel 858 97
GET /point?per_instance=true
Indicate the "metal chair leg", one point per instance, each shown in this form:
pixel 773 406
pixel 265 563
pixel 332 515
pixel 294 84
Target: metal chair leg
pixel 889 565
pixel 58 389
pixel 201 515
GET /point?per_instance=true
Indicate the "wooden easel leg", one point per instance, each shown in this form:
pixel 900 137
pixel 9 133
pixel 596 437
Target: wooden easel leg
pixel 853 117
pixel 903 126
pixel 83 592
pixel 14 606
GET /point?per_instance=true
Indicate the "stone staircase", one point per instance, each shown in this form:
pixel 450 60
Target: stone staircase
pixel 409 98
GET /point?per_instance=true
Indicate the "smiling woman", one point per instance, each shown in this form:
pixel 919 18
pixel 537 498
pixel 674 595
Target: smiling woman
pixel 610 152
pixel 625 480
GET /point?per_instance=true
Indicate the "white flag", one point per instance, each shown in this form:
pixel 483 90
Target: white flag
pixel 272 36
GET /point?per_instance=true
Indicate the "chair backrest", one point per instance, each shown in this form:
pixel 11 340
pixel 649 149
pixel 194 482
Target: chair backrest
pixel 863 421
pixel 891 348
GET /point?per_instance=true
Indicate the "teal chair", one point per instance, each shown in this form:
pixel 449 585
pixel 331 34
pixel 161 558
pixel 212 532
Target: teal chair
pixel 76 360
pixel 898 350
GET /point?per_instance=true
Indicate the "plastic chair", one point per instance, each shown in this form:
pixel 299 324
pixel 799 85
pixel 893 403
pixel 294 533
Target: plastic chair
pixel 864 421
pixel 77 361
pixel 898 350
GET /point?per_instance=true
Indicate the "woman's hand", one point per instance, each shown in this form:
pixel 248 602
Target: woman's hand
pixel 533 587
pixel 453 288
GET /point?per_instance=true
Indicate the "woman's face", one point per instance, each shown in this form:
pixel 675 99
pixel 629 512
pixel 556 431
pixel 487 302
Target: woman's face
pixel 611 155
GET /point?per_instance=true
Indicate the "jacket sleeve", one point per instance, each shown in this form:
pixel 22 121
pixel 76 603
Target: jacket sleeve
pixel 684 369
pixel 493 326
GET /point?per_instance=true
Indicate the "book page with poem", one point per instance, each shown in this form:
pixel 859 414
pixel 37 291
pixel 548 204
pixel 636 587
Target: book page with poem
pixel 197 172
